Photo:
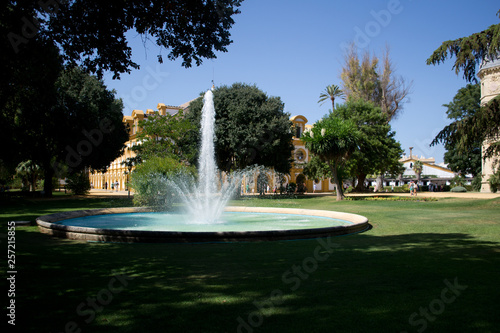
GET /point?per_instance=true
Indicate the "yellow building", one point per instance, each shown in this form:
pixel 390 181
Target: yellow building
pixel 116 176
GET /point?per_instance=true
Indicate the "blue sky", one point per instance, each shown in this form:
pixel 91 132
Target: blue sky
pixel 294 49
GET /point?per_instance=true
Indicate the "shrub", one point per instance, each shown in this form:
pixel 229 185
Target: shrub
pixel 476 183
pixel 150 180
pixel 78 183
pixel 494 181
pixel 458 189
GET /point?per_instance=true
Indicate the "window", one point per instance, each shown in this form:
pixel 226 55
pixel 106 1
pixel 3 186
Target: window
pixel 298 131
pixel 299 156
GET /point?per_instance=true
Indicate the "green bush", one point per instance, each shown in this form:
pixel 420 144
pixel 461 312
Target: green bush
pixel 150 180
pixel 458 189
pixel 494 181
pixel 476 183
pixel 78 183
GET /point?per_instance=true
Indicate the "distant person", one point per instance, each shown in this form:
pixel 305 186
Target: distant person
pixel 412 187
pixel 314 188
pixel 106 186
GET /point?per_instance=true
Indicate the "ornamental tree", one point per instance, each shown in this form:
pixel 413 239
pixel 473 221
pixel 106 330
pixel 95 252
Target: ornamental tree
pixel 251 128
pixel 333 139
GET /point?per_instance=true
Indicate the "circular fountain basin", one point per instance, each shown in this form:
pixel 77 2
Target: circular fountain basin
pixel 237 224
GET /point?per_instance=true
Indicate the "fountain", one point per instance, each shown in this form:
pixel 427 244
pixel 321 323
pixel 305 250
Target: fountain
pixel 207 218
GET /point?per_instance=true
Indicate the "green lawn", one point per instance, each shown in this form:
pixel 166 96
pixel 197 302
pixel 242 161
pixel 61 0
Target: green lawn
pixel 424 266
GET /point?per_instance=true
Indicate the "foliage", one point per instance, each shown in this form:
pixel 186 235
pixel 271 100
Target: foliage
pixel 467 132
pixel 469 51
pixel 465 104
pixel 494 181
pixel 164 136
pixel 418 166
pixel 316 169
pixel 476 183
pixel 378 151
pixel 331 92
pixel 333 140
pixel 78 182
pixel 29 172
pixel 458 181
pixel 458 189
pixel 93 33
pixel 150 180
pixel 371 81
pixel 251 128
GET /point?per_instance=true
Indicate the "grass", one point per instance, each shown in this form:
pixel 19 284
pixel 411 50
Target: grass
pixel 394 278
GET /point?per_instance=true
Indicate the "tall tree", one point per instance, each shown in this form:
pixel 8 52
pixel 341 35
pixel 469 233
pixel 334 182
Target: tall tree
pixel 378 151
pixel 92 33
pixel 373 79
pixel 465 104
pixel 333 139
pixel 331 92
pixel 469 53
pixel 82 128
pixel 251 128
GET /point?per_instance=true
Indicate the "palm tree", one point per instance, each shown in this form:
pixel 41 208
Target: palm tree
pixel 418 167
pixel 331 92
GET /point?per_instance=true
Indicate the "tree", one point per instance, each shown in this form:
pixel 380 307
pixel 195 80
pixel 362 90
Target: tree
pixel 331 92
pixel 418 166
pixel 470 52
pixel 333 139
pixel 465 104
pixel 81 127
pixel 378 151
pixel 166 136
pixel 369 80
pixel 29 172
pixel 93 33
pixel 251 128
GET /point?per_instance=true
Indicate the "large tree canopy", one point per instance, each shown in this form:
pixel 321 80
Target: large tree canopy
pixel 92 33
pixel 469 51
pixel 251 128
pixel 333 139
pixel 378 151
pixel 465 104
pixel 166 136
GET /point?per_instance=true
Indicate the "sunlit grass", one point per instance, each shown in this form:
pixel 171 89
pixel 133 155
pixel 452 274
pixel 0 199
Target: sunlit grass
pixel 369 282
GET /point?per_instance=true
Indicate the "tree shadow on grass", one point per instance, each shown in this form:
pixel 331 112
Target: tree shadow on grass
pixel 356 283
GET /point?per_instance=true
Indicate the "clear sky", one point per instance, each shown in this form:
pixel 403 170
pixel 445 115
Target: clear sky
pixel 294 49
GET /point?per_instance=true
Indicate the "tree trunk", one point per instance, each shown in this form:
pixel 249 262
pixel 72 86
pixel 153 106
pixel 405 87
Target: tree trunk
pixel 336 180
pixel 380 182
pixel 360 187
pixel 47 184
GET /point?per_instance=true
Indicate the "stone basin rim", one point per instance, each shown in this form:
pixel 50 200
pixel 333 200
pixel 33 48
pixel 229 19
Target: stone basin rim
pixel 47 225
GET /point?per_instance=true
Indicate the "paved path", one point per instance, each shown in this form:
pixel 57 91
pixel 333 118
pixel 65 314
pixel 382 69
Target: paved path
pixel 468 195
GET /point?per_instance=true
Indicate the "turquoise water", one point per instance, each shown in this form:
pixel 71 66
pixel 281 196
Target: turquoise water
pixel 230 221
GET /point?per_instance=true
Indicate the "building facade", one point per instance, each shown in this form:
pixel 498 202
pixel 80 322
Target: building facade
pixel 489 74
pixel 117 175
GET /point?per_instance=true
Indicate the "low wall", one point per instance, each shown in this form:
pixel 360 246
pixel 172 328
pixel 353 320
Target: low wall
pixel 47 225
